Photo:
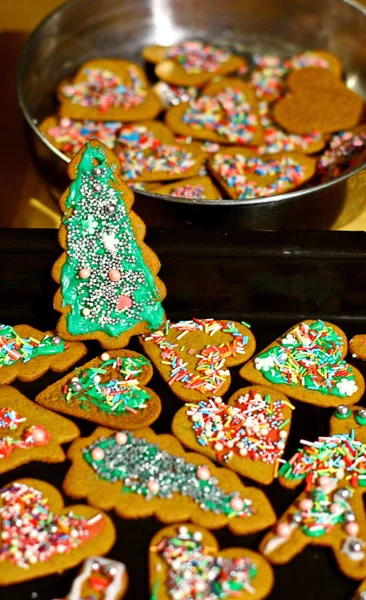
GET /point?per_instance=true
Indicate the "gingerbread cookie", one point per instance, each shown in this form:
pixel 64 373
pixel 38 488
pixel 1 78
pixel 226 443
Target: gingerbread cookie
pixel 357 346
pixel 307 364
pixel 148 152
pixel 248 434
pixel 69 136
pixel 243 174
pixel 318 101
pixel 30 433
pixel 108 390
pixel 108 90
pixel 193 357
pixel 142 474
pixel 226 112
pixel 99 579
pixel 330 511
pixel 27 353
pixel 185 562
pixel 62 537
pixel 191 63
pixel 193 188
pixel 347 149
pixel 109 289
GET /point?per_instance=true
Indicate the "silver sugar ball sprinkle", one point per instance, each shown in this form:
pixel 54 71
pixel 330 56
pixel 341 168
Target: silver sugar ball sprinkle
pixel 97 187
pixel 97 172
pixel 296 519
pixel 342 409
pixel 344 493
pixel 56 340
pixel 76 386
pixel 362 413
pixel 349 516
pixel 110 209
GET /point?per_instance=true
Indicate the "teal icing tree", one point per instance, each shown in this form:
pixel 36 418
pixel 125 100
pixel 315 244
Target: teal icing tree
pixel 108 276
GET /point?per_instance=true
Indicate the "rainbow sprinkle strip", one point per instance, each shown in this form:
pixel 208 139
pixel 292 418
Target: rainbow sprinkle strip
pixel 198 57
pixel 189 191
pixel 14 348
pixel 251 428
pixel 310 356
pixel 70 136
pixel 209 372
pixel 104 90
pixel 344 148
pixel 227 114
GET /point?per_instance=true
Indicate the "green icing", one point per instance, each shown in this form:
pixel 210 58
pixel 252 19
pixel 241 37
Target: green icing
pixel 100 239
pixel 309 356
pixel 14 348
pixel 113 396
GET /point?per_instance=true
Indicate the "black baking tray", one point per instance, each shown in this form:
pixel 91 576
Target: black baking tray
pixel 269 279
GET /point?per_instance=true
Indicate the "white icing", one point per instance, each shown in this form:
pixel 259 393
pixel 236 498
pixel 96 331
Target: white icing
pixel 276 541
pixel 113 589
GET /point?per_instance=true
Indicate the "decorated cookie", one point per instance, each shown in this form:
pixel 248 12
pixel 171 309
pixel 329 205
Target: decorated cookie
pixel 194 357
pixel 99 579
pixel 357 346
pixel 193 188
pixel 109 289
pixel 61 537
pixel 149 152
pixel 307 363
pixel 108 390
pixel 142 474
pixel 69 136
pixel 27 353
pixel 171 95
pixel 347 149
pixel 318 101
pixel 278 140
pixel 330 511
pixel 30 433
pixel 108 90
pixel 226 112
pixel 320 59
pixel 191 63
pixel 185 562
pixel 248 434
pixel 243 174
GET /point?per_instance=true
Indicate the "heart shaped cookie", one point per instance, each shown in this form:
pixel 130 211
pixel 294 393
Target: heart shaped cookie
pixel 104 578
pixel 108 90
pixel 319 101
pixel 193 188
pixel 27 353
pixel 142 474
pixel 29 432
pixel 191 63
pixel 185 562
pixel 330 512
pixel 148 152
pixel 193 357
pixel 62 537
pixel 307 364
pixel 248 434
pixel 226 112
pixel 108 390
pixel 243 174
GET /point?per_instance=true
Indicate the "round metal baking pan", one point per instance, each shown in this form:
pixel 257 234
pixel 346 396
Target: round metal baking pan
pixel 80 30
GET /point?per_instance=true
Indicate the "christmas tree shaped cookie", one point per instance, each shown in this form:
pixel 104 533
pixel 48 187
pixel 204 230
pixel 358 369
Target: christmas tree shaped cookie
pixel 99 579
pixel 307 363
pixel 330 512
pixel 40 536
pixel 29 432
pixel 109 289
pixel 185 562
pixel 142 474
pixel 27 353
pixel 248 434
pixel 193 356
pixel 108 390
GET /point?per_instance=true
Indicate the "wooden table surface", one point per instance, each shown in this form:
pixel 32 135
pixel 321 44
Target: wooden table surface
pixel 24 198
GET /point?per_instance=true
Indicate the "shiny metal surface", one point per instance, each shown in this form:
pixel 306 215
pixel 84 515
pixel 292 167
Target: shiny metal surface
pixel 81 30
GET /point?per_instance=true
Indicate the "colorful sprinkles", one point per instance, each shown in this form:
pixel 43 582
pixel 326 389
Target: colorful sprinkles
pixel 172 95
pixel 14 348
pixel 310 356
pixel 147 470
pixel 103 89
pixel 194 573
pixel 344 148
pixel 32 533
pixel 97 386
pixel 251 428
pixel 189 191
pixel 70 136
pixel 198 57
pixel 210 372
